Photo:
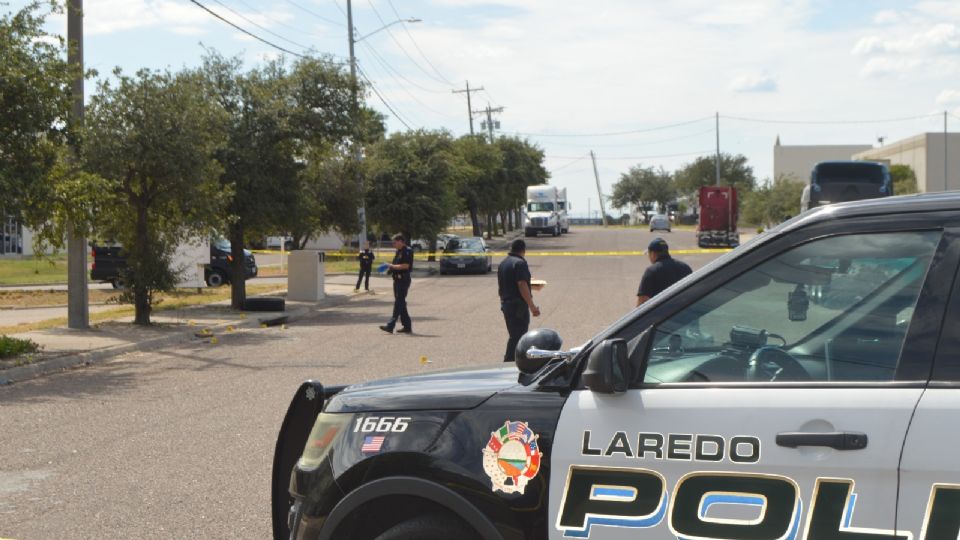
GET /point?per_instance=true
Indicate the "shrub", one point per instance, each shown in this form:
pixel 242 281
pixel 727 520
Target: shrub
pixel 10 347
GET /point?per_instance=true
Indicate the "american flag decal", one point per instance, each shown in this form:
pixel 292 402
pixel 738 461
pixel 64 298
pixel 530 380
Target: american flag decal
pixel 372 443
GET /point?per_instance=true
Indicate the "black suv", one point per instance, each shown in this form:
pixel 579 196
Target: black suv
pixel 109 262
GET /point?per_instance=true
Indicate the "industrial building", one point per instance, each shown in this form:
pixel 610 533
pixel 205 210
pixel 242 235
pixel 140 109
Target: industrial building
pixel 934 157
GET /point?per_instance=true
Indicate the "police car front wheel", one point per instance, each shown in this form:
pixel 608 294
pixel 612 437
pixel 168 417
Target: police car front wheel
pixel 430 527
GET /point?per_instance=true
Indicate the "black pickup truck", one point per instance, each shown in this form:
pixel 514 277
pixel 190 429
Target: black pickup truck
pixel 109 262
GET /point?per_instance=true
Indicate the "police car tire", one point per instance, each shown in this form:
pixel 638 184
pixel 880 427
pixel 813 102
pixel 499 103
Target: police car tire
pixel 264 303
pixel 430 527
pixel 216 278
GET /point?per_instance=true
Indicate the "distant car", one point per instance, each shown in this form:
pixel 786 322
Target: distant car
pixel 660 222
pixel 274 242
pixel 444 238
pixel 468 255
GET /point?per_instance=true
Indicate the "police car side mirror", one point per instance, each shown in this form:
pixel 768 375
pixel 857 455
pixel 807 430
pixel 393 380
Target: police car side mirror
pixel 608 368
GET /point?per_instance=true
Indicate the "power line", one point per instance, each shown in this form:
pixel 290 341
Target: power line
pixel 638 143
pixel 574 162
pixel 400 45
pixel 828 122
pixel 267 30
pixel 247 32
pixel 637 157
pixel 615 133
pixel 275 21
pixel 394 70
pixel 417 46
pixel 315 14
pixel 388 69
pixel 495 102
pixel 382 99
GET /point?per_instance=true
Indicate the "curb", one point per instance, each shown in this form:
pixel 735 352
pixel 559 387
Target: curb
pixel 88 358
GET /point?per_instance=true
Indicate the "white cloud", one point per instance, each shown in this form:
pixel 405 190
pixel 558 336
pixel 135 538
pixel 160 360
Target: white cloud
pixel 948 97
pixel 111 16
pixel 756 82
pixel 887 16
pixel 939 39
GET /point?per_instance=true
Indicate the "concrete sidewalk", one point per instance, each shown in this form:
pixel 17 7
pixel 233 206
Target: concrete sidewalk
pixel 63 348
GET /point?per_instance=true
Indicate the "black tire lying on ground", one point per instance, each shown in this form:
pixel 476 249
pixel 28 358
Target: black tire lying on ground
pixel 264 303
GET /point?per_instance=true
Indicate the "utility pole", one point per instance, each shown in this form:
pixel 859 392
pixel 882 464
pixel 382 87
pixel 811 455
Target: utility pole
pixel 596 175
pixel 718 147
pixel 78 313
pixel 946 151
pixel 467 91
pixel 489 123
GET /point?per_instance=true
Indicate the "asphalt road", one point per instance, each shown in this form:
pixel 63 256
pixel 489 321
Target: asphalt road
pixel 178 443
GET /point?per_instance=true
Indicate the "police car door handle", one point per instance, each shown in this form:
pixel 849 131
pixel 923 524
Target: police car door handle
pixel 838 440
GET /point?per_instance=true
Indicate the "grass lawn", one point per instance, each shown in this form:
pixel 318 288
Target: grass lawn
pixel 166 301
pixel 33 271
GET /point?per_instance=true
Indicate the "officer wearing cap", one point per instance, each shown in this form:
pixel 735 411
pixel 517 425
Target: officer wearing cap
pixel 516 300
pixel 400 269
pixel 663 271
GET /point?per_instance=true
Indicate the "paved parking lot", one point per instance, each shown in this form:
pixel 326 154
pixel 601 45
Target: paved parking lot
pixel 178 443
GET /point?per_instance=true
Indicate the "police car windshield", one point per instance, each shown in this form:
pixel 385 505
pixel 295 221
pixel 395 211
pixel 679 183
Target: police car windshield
pixel 540 207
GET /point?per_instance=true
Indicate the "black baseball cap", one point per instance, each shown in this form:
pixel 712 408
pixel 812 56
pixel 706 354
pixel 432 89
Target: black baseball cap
pixel 658 245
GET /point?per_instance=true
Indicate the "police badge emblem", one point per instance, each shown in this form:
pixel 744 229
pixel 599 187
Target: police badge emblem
pixel 512 457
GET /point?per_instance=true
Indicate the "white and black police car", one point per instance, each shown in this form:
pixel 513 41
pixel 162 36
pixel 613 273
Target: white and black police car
pixel 803 386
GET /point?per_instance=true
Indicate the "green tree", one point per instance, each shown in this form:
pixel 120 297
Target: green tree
pixel 330 196
pixel 643 187
pixel 479 188
pixel 734 170
pixel 904 180
pixel 35 101
pixel 522 166
pixel 278 116
pixel 413 180
pixel 152 138
pixel 772 202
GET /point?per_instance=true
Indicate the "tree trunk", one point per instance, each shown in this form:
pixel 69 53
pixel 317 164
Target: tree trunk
pixel 475 219
pixel 489 227
pixel 238 270
pixel 509 214
pixel 141 293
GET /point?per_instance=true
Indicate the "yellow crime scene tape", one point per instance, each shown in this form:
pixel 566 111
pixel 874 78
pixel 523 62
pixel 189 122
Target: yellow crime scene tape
pixel 424 256
pixel 632 253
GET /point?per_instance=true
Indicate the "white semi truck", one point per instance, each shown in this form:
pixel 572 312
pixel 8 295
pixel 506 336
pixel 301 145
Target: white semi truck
pixel 543 214
pixel 563 207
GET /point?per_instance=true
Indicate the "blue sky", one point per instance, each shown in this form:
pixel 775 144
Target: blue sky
pixel 570 73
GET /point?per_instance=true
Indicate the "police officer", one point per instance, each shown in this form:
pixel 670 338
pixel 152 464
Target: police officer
pixel 366 258
pixel 663 271
pixel 400 269
pixel 516 300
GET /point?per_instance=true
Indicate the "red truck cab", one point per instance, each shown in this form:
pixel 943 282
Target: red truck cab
pixel 717 226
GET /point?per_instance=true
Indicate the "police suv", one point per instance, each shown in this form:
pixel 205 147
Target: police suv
pixel 803 386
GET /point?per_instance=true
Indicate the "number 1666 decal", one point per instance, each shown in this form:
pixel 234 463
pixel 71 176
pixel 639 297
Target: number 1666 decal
pixel 381 424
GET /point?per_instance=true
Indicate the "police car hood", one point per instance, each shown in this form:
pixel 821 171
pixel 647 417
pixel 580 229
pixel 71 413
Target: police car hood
pixel 458 389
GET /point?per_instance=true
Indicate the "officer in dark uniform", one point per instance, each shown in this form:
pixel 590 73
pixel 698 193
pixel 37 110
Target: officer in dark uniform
pixel 366 258
pixel 516 300
pixel 663 272
pixel 400 269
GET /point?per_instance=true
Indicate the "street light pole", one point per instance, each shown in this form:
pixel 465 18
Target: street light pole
pixel 355 110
